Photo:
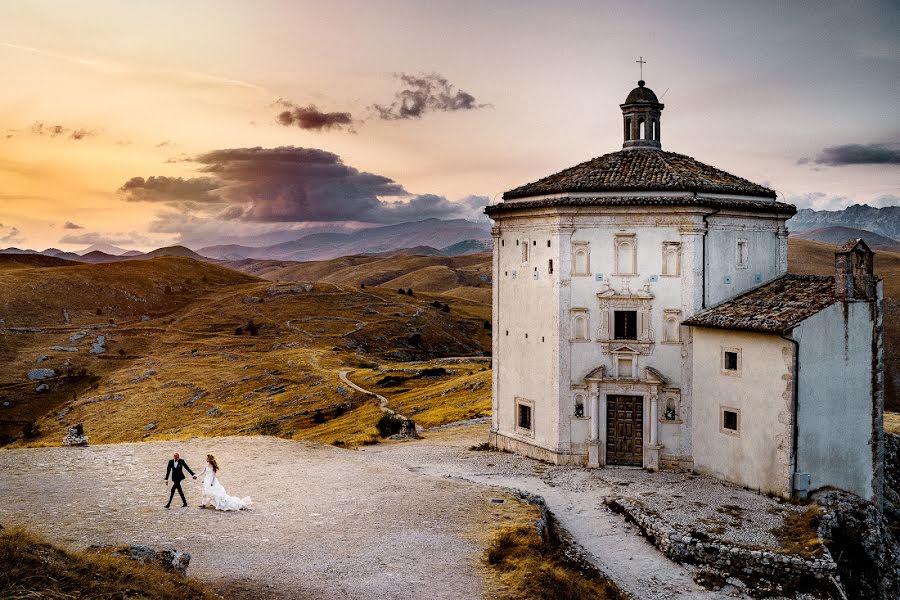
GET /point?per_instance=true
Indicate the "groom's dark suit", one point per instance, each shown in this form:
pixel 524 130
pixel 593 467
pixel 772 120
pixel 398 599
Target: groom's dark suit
pixel 175 468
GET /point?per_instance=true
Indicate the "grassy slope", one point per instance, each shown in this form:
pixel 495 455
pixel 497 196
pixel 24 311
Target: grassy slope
pixel 32 568
pixel 186 371
pixel 817 258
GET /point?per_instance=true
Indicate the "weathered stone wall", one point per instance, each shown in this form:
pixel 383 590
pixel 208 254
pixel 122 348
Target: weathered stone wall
pixel 860 536
pixel 892 476
pixel 737 561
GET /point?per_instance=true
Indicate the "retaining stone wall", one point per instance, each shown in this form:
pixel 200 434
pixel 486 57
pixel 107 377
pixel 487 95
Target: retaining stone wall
pixel 737 561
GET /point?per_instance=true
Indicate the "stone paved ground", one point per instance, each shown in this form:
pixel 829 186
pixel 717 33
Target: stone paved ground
pixel 397 520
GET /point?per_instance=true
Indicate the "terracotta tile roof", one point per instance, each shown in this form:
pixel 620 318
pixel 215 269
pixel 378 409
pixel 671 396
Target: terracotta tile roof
pixel 766 206
pixel 775 307
pixel 645 170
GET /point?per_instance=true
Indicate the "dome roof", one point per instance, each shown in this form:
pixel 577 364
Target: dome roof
pixel 641 94
pixel 641 170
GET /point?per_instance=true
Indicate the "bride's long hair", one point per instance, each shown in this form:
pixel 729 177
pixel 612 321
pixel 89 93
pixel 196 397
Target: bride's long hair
pixel 212 462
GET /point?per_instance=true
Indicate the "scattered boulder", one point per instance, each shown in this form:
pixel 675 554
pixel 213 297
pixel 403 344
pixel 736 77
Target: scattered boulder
pixel 39 374
pixel 169 559
pixel 341 390
pixel 144 376
pixel 66 318
pixel 149 426
pixel 77 336
pixel 252 300
pixel 99 345
pixel 42 388
pixel 75 436
pixel 41 358
pixel 64 348
pixel 213 412
pixel 145 318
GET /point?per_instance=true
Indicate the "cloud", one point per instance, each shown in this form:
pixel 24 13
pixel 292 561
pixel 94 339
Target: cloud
pixel 53 131
pixel 10 235
pixel 289 184
pixel 858 154
pixel 132 238
pixel 71 225
pixel 176 191
pixel 423 93
pixel 311 118
pixel 886 200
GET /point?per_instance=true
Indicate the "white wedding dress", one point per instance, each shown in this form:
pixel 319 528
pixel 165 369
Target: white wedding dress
pixel 215 495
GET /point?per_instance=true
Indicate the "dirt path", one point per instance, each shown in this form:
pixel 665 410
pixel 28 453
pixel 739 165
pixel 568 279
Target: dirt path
pixel 328 523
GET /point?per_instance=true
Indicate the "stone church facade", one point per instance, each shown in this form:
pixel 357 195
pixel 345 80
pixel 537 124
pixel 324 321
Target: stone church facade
pixel 606 348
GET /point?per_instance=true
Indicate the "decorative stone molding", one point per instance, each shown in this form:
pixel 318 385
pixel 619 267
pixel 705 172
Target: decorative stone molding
pixel 671 259
pixel 625 260
pixel 610 301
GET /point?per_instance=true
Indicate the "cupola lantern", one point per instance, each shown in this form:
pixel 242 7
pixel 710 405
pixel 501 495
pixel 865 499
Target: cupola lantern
pixel 641 113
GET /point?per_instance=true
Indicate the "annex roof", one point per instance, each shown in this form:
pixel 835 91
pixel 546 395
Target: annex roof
pixel 775 307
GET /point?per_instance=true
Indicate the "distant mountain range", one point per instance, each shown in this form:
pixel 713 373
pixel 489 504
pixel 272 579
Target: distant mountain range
pixel 450 237
pixel 883 221
pixel 839 235
pixel 431 237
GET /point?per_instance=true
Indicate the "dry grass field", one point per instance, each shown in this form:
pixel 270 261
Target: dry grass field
pixel 195 366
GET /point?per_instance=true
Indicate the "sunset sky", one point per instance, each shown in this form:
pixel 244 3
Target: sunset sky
pixel 199 122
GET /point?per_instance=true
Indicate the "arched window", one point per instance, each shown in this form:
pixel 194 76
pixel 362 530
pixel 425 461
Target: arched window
pixel 671 258
pixel 625 254
pixel 654 135
pixel 579 405
pixel 581 327
pixel 642 130
pixel 671 330
pixel 627 128
pixel 581 258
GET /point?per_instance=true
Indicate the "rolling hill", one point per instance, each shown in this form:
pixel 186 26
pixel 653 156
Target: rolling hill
pixel 839 235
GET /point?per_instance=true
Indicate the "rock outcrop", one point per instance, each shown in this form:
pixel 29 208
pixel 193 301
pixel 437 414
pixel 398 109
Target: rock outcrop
pixel 865 549
pixel 40 374
pixel 169 559
pixel 892 476
pixel 99 345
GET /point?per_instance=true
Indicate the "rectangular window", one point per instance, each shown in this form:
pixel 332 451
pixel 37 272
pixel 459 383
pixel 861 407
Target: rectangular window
pixel 525 251
pixel 625 325
pixel 731 361
pixel 524 418
pixel 730 420
pixel 743 254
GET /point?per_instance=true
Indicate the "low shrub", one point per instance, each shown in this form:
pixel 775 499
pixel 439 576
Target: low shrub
pixel 267 427
pixel 389 424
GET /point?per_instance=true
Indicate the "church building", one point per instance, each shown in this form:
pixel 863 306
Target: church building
pixel 643 316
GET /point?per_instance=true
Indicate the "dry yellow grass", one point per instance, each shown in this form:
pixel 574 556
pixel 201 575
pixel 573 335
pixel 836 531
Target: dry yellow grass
pixel 892 422
pixel 187 372
pixel 30 567
pixel 528 567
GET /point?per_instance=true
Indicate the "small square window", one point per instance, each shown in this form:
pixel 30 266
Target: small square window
pixel 730 420
pixel 625 325
pixel 731 361
pixel 523 418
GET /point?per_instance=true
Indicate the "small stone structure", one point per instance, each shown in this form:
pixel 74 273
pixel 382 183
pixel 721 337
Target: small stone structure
pixel 737 561
pixel 75 436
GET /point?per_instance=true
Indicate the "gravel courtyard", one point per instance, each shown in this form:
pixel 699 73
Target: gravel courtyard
pixel 397 520
pixel 327 523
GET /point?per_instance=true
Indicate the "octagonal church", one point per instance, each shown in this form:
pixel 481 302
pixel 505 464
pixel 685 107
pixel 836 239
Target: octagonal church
pixel 643 316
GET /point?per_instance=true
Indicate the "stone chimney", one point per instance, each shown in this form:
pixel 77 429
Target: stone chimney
pixel 853 271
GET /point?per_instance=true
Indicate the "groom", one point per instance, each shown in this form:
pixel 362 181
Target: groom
pixel 175 468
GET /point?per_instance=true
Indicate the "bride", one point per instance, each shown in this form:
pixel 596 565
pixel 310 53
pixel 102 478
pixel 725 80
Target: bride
pixel 214 494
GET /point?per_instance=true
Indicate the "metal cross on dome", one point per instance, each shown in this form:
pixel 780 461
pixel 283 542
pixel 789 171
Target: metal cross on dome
pixel 642 62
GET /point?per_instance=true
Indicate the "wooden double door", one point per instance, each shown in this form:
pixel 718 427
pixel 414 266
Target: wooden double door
pixel 625 430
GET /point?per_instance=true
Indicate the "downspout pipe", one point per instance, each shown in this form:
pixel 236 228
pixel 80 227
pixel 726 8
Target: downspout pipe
pixel 705 252
pixel 802 487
